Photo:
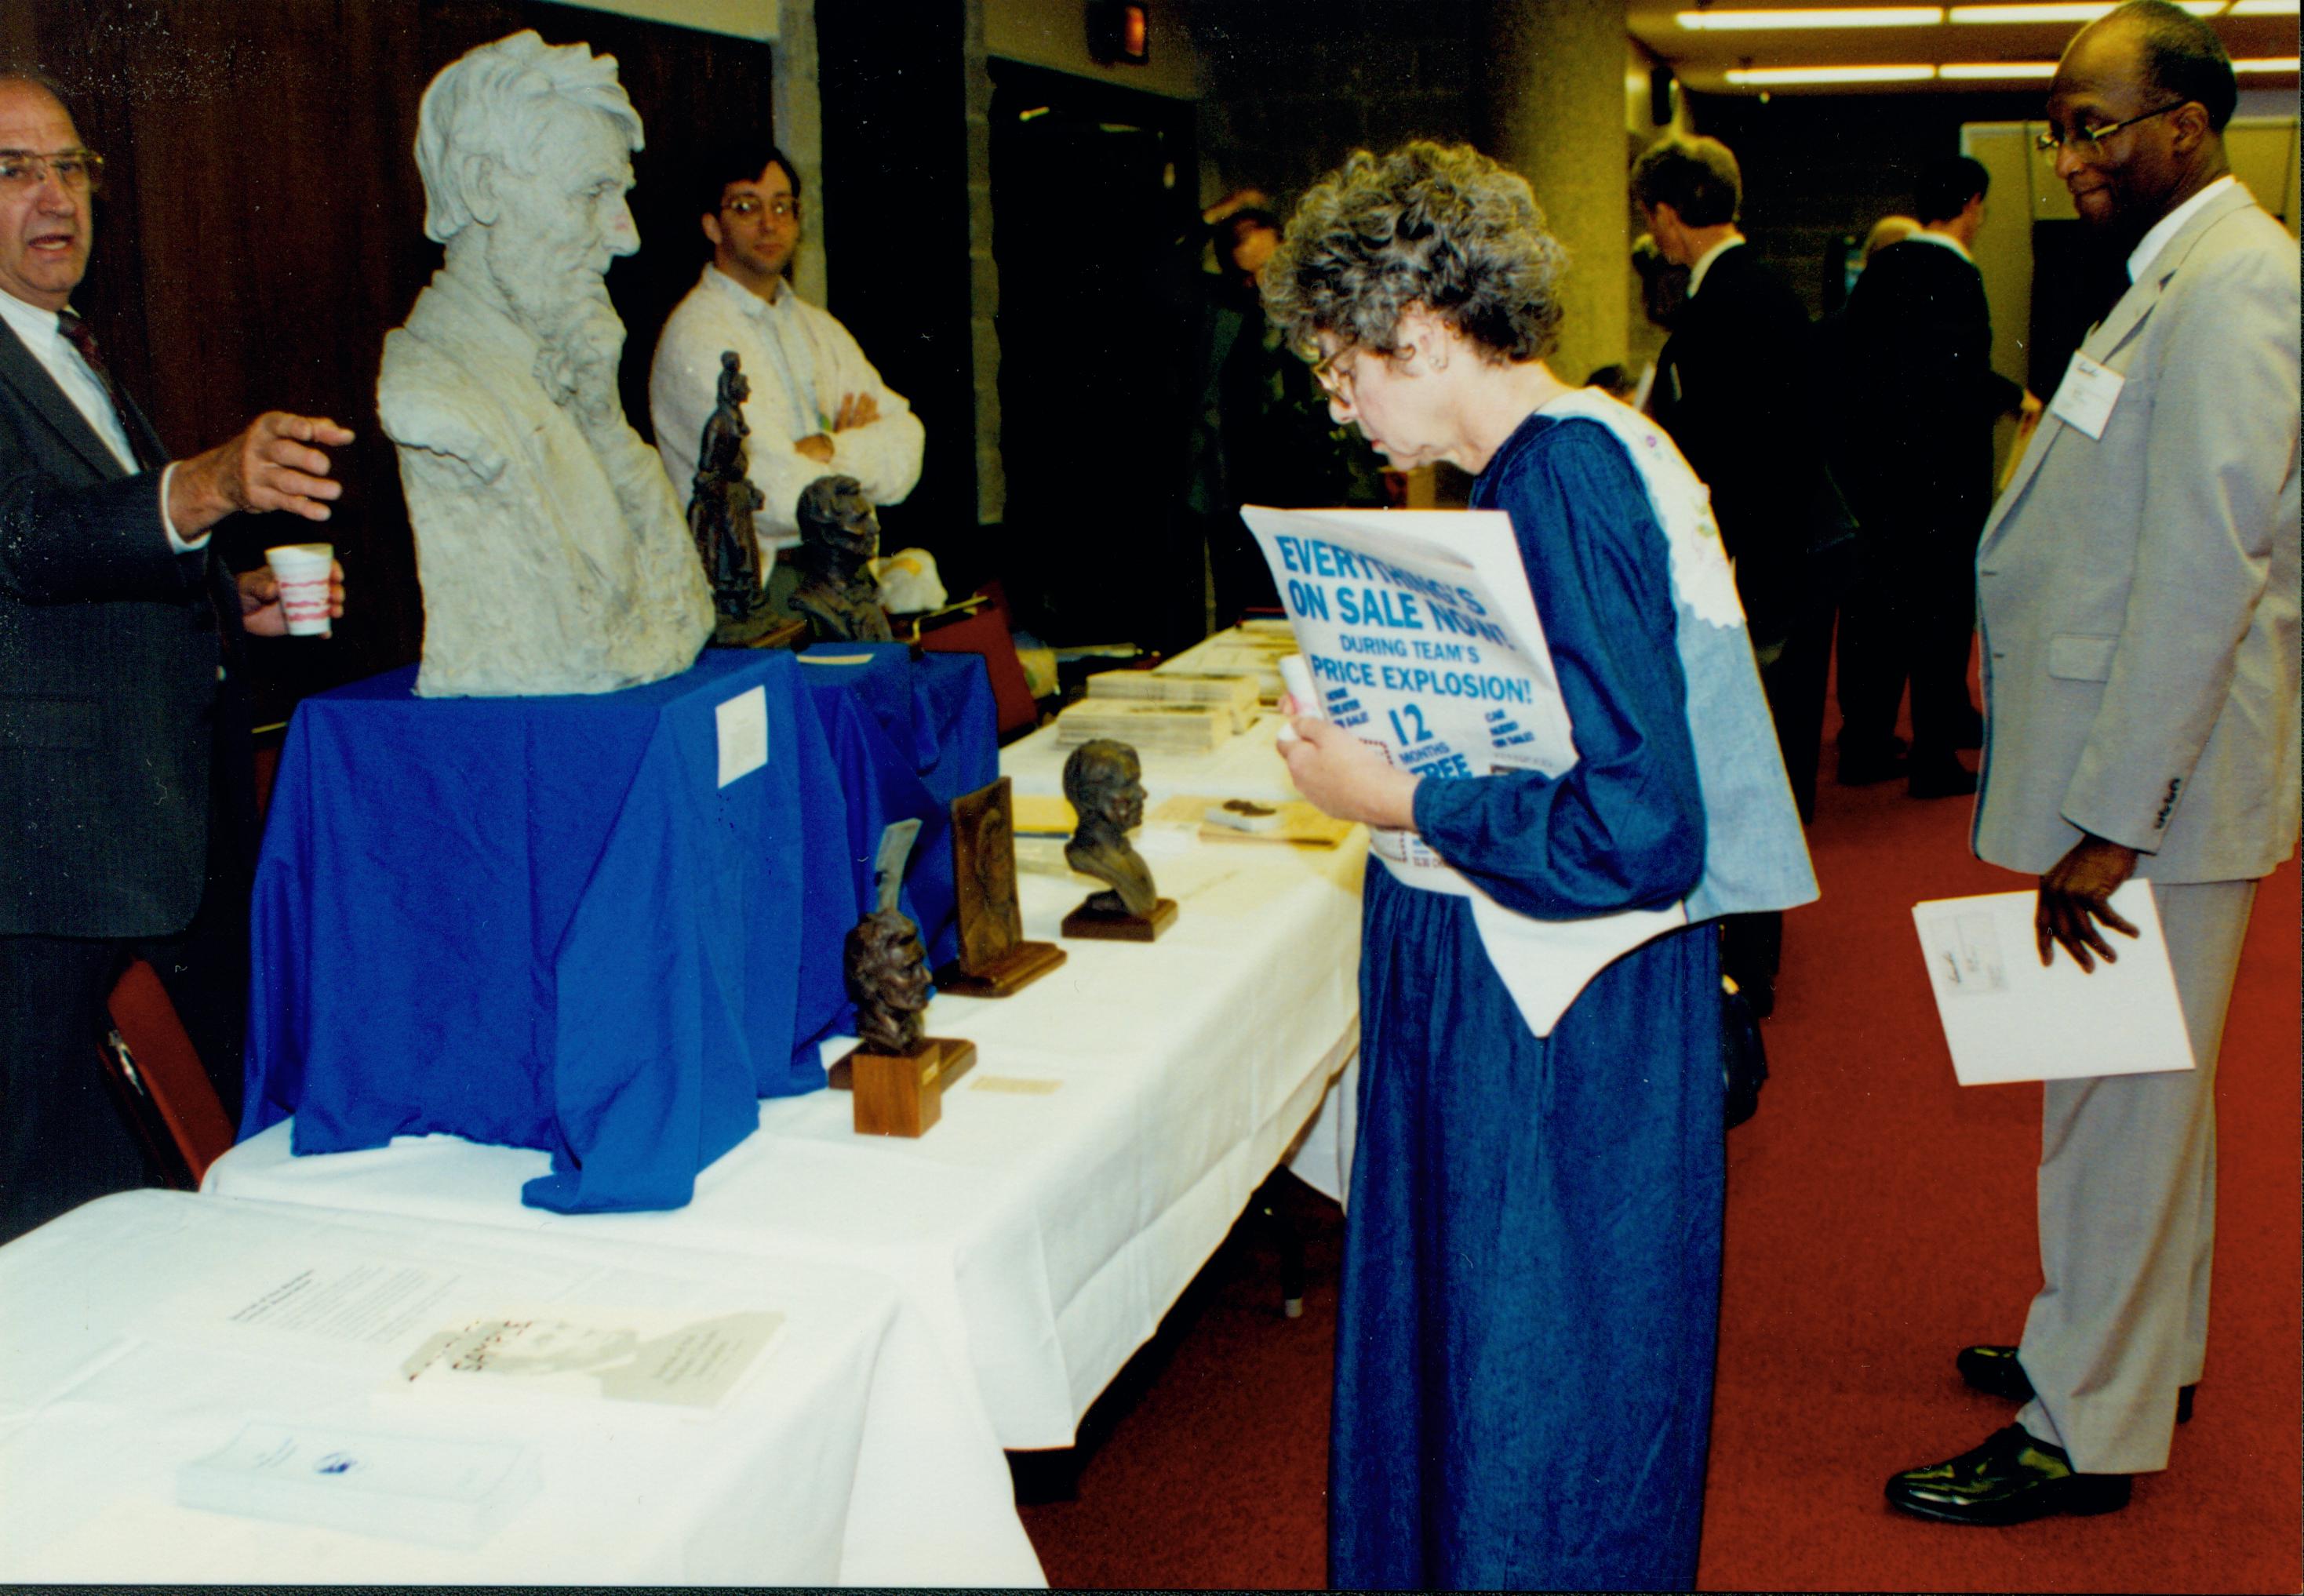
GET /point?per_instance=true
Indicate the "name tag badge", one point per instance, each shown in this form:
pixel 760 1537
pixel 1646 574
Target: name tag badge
pixel 2086 396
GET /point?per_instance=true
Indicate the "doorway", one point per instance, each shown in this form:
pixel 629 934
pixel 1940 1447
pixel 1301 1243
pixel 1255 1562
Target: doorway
pixel 1093 200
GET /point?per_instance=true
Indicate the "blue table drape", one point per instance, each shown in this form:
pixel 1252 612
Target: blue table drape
pixel 544 922
pixel 908 736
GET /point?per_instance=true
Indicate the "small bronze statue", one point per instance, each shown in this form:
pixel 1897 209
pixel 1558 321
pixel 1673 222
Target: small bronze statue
pixel 994 959
pixel 838 536
pixel 1104 779
pixel 720 510
pixel 888 974
pixel 897 1075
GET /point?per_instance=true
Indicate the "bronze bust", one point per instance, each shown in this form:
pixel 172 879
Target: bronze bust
pixel 838 536
pixel 1105 782
pixel 887 973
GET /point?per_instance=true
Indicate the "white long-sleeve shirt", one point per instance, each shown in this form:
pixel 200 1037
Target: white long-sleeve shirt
pixel 799 362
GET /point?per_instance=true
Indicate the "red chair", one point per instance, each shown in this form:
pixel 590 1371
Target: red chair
pixel 154 1069
pixel 986 631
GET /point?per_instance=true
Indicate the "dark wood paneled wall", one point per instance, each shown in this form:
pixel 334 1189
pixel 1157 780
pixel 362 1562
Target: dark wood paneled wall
pixel 262 228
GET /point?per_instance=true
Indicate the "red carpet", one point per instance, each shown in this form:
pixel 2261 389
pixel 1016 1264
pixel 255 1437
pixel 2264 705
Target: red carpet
pixel 1879 1218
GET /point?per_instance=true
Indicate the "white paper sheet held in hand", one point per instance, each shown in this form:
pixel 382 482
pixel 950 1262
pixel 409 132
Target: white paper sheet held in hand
pixel 1424 642
pixel 2006 1018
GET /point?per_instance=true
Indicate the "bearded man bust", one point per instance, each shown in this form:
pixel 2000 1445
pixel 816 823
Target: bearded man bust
pixel 553 554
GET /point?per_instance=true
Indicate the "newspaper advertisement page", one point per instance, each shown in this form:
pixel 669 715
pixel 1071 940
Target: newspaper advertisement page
pixel 1424 643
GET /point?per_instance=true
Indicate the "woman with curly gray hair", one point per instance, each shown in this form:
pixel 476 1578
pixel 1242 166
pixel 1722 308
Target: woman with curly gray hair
pixel 1525 1344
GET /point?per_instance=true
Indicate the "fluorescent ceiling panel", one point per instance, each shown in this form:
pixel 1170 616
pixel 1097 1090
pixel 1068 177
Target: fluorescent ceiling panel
pixel 2266 63
pixel 1854 16
pixel 2003 69
pixel 2263 8
pixel 2065 10
pixel 1766 77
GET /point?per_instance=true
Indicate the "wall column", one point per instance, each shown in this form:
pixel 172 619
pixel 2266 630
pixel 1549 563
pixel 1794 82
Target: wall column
pixel 1554 113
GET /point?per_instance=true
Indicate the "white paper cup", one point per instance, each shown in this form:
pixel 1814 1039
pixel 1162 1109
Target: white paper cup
pixel 302 569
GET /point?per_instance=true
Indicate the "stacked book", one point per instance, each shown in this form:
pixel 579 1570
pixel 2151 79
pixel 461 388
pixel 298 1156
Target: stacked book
pixel 1235 693
pixel 1147 728
pixel 1253 649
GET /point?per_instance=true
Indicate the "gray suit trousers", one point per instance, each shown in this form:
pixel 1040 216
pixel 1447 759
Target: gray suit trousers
pixel 2128 1216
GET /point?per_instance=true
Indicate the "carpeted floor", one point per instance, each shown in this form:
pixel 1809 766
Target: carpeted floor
pixel 1879 1218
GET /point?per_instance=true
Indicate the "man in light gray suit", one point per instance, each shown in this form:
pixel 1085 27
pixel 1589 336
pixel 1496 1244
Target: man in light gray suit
pixel 2140 590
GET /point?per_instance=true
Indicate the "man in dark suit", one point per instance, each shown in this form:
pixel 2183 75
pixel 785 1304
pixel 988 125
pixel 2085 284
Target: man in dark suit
pixel 1915 461
pixel 119 649
pixel 1733 387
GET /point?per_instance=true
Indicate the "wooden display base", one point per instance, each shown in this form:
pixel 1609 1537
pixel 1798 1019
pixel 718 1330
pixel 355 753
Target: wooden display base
pixel 1087 924
pixel 902 1094
pixel 1004 976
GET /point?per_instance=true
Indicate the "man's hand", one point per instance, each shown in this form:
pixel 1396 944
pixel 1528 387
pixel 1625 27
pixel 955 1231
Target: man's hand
pixel 273 465
pixel 1344 777
pixel 2073 898
pixel 259 601
pixel 856 409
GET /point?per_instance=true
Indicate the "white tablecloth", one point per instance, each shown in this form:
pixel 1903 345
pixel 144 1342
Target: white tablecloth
pixel 852 1453
pixel 1121 1112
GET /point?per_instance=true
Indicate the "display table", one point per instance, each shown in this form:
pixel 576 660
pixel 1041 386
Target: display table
pixel 1121 1112
pixel 849 1455
pixel 590 925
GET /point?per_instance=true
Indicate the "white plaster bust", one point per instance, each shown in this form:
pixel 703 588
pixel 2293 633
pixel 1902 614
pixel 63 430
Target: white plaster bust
pixel 552 549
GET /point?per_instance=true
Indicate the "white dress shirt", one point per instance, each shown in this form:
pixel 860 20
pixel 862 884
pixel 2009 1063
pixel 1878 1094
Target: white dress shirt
pixel 1704 262
pixel 2168 225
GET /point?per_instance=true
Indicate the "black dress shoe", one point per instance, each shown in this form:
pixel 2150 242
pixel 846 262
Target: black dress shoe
pixel 1995 1371
pixel 1948 779
pixel 2011 1478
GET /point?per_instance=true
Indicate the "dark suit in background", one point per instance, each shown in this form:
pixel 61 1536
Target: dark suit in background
pixel 1734 387
pixel 1915 458
pixel 122 735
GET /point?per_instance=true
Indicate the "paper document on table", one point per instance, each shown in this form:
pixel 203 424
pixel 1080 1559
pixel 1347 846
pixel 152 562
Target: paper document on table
pixel 2007 1019
pixel 625 1355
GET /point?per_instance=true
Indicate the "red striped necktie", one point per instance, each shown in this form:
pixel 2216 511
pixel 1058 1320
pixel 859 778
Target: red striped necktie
pixel 82 337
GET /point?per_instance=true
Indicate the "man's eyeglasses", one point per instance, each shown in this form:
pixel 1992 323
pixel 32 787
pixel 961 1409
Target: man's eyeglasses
pixel 782 208
pixel 2086 139
pixel 78 170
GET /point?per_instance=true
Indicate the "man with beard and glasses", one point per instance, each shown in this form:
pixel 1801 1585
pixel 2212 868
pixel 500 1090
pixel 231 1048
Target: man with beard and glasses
pixel 553 554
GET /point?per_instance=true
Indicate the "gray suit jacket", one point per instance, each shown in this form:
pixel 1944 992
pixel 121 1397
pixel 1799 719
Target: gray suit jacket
pixel 2139 590
pixel 109 664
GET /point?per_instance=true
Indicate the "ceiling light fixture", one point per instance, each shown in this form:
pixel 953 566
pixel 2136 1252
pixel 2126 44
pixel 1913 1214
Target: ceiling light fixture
pixel 1854 16
pixel 2064 11
pixel 2266 63
pixel 1778 76
pixel 1970 69
pixel 2263 8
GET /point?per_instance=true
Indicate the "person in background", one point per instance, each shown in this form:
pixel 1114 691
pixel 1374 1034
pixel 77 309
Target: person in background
pixel 1733 387
pixel 818 408
pixel 2139 580
pixel 126 779
pixel 1915 463
pixel 1525 1338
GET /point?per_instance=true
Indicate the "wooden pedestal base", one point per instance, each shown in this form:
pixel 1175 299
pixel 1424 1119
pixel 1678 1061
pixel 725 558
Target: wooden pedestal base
pixel 902 1094
pixel 1010 973
pixel 1087 924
